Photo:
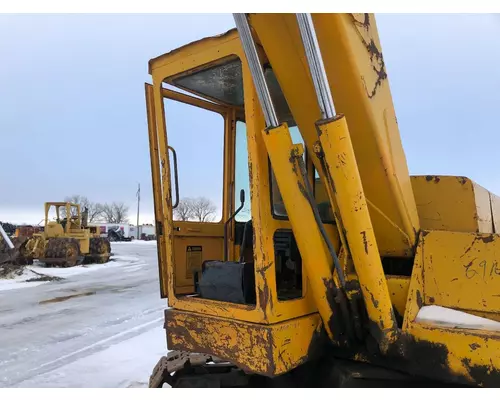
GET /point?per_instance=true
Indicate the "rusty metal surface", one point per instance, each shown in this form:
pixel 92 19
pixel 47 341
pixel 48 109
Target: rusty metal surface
pixel 455 270
pixel 268 350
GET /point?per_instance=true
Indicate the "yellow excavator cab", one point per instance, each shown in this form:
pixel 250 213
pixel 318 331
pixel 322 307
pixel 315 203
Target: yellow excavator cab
pixel 327 264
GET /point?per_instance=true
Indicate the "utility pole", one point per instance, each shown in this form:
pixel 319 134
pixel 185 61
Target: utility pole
pixel 138 194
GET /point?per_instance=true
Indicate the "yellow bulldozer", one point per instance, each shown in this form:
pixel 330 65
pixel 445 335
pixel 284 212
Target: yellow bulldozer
pixel 65 241
pixel 345 270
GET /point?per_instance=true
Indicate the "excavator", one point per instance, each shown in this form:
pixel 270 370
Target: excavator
pixel 345 271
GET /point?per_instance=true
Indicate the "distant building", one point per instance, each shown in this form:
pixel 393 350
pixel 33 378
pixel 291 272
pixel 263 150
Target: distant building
pixel 127 229
pixel 146 229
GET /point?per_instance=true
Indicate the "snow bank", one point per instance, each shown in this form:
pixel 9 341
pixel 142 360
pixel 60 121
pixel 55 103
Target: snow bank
pixel 115 262
pixel 20 281
pixel 448 317
pixel 36 271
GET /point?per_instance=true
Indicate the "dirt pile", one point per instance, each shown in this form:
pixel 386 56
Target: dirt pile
pixel 10 271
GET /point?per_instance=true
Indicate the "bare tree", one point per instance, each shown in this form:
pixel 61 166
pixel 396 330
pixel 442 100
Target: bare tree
pixel 94 209
pixel 115 213
pixel 184 210
pixel 203 209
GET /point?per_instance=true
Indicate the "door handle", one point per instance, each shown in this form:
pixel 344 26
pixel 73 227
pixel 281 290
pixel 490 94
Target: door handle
pixel 176 177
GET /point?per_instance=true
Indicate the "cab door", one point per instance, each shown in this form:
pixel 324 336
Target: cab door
pixel 198 193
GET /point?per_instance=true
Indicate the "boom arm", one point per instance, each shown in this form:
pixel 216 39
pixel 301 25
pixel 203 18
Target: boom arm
pixel 337 163
pixel 358 82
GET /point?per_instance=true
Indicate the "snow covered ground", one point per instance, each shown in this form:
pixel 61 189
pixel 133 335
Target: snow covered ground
pixel 37 270
pixel 100 326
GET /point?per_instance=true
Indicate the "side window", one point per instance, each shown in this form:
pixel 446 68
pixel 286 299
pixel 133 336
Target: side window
pixel 52 213
pixel 242 178
pixel 285 115
pixel 197 135
pixel 277 201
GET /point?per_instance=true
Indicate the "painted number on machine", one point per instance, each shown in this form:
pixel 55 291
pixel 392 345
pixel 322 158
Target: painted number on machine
pixel 482 270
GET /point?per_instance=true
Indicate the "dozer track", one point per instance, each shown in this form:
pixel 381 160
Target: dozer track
pixel 62 252
pixel 65 252
pixel 100 251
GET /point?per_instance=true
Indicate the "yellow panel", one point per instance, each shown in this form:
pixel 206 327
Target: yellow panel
pixel 439 277
pixel 84 245
pixel 483 209
pixel 462 270
pixel 452 203
pixel 157 189
pixel 211 249
pixel 472 356
pixel 398 291
pixel 294 341
pixel 265 349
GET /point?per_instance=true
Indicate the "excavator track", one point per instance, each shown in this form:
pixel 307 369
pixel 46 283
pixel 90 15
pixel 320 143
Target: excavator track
pixel 194 370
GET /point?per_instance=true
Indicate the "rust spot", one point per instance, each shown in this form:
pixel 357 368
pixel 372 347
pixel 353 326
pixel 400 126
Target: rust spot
pixel 229 340
pixel 341 158
pixel 462 179
pixel 264 299
pixel 374 300
pixel 469 248
pixel 365 242
pixel 294 155
pixel 434 178
pixel 376 57
pixel 474 346
pixel 263 269
pixel 432 300
pixel 487 239
pixel 64 298
pixel 321 157
pixel 420 302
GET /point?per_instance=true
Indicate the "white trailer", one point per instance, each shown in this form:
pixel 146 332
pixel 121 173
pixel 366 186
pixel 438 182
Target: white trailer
pixel 104 227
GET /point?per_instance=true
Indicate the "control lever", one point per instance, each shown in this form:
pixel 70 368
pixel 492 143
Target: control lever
pixel 226 224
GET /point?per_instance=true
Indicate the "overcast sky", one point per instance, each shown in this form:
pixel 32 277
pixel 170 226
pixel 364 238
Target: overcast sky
pixel 73 119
